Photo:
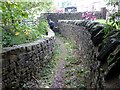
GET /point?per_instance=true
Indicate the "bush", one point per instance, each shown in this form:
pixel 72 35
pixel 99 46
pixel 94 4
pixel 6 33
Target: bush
pixel 28 34
pixel 14 32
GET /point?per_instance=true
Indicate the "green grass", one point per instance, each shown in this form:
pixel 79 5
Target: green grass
pixel 101 21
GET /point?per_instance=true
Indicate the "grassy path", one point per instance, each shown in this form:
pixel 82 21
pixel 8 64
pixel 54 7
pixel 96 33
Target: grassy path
pixel 59 78
pixel 65 70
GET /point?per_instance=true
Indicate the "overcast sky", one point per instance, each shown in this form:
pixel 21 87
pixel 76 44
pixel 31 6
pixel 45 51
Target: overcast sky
pixel 84 5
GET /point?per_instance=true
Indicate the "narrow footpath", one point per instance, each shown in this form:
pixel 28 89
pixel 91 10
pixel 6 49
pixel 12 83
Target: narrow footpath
pixel 65 70
pixel 58 81
pixel 69 72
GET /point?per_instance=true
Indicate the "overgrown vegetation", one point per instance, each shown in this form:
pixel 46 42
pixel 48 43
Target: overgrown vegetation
pixel 114 20
pixel 13 30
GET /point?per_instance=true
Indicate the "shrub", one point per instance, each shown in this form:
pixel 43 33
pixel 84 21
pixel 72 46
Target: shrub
pixel 88 16
pixel 15 32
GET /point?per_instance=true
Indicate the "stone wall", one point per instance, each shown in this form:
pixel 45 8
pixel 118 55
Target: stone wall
pixel 101 60
pixel 63 16
pixel 22 64
pixel 68 16
pixel 85 47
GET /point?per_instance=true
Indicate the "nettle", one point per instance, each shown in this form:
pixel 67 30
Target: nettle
pixel 15 32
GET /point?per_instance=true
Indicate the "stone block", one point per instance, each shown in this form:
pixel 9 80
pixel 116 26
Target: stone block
pixel 109 48
pixel 95 30
pixel 98 38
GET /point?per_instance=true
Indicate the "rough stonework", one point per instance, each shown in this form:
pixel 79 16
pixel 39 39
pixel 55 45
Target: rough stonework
pixel 86 50
pixel 22 64
pixel 68 16
pixel 101 60
pixel 100 55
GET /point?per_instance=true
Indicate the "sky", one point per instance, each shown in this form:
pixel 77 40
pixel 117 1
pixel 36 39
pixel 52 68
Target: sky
pixel 83 5
pixel 89 4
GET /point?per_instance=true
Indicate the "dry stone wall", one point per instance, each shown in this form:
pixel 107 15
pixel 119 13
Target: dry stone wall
pixel 63 16
pixel 22 64
pixel 101 59
pixel 85 47
pixel 67 16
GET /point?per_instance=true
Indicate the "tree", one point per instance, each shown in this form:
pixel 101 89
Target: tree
pixel 112 2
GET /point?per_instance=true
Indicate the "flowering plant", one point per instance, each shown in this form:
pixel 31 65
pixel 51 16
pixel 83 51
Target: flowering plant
pixel 88 16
